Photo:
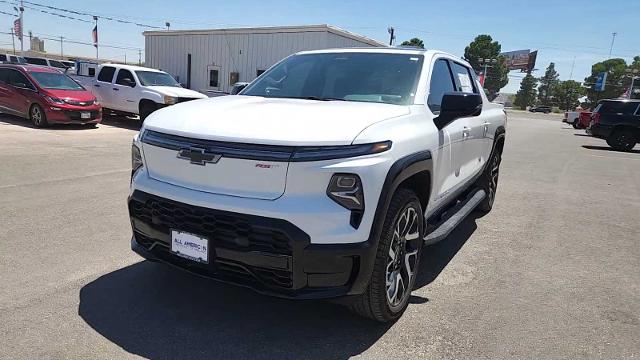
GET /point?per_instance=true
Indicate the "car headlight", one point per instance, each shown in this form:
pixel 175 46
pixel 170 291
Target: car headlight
pixel 54 100
pixel 170 100
pixel 136 159
pixel 346 190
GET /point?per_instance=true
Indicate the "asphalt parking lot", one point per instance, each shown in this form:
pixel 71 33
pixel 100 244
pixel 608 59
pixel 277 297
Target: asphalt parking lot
pixel 553 272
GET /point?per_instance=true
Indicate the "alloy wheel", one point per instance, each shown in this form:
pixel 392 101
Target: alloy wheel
pixel 402 258
pixel 36 115
pixel 494 171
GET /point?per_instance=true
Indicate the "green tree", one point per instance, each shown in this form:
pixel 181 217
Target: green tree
pixel 547 86
pixel 567 94
pixel 614 86
pixel 483 47
pixel 414 42
pixel 526 96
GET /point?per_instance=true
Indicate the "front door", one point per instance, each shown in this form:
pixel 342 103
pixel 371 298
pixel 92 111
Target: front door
pixel 125 92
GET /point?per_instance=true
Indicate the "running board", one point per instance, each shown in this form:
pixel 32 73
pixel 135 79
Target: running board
pixel 463 210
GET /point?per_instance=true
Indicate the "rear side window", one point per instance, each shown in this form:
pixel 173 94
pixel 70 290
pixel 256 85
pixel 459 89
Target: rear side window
pixel 4 75
pixel 617 107
pixel 106 74
pixel 36 61
pixel 17 79
pixel 441 83
pixel 3 57
pixel 463 79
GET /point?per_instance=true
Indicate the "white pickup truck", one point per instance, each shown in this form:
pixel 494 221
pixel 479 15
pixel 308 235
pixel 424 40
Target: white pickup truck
pixel 134 90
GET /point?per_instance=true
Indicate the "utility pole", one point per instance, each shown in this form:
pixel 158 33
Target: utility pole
pixel 61 51
pixel 392 35
pixel 168 25
pixel 125 58
pixel 21 27
pixel 139 57
pixel 572 66
pixel 613 40
pixel 13 41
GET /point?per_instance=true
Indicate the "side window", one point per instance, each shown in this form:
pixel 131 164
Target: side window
pixel 17 79
pixel 464 81
pixel 124 74
pixel 3 57
pixel 441 83
pixel 106 74
pixel 4 75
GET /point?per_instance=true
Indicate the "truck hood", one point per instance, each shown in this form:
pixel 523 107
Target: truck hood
pixel 271 121
pixel 177 91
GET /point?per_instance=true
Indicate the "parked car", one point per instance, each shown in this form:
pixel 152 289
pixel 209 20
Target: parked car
pixel 618 122
pixel 135 90
pixel 46 96
pixel 13 59
pixel 542 109
pixel 584 119
pixel 323 178
pixel 572 118
pixel 45 62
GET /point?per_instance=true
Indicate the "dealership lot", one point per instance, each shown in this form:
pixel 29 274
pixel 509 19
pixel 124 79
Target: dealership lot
pixel 552 272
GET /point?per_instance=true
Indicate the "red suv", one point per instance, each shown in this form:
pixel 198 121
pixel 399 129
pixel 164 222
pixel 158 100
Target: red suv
pixel 46 96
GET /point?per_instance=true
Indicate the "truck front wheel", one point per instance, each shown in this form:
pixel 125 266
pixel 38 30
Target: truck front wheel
pixel 146 108
pixel 397 260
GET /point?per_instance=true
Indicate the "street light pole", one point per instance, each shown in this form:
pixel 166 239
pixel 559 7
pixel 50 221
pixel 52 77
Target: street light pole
pixel 13 41
pixel 61 50
pixel 21 27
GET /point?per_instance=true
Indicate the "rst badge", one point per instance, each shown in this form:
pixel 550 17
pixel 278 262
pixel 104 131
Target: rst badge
pixel 198 156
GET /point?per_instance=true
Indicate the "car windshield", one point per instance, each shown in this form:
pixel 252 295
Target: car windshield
pixel 55 80
pixel 154 78
pixel 369 77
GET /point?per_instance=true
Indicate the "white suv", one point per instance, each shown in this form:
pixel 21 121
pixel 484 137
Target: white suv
pixel 323 178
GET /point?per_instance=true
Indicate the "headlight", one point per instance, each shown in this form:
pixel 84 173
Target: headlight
pixel 136 159
pixel 54 100
pixel 170 100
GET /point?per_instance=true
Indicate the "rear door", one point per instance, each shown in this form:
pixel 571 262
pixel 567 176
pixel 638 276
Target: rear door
pixel 103 89
pixel 452 137
pixel 125 91
pixel 5 91
pixel 22 91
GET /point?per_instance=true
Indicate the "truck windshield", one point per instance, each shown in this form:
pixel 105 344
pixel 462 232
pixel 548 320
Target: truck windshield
pixel 154 78
pixel 369 77
pixel 51 80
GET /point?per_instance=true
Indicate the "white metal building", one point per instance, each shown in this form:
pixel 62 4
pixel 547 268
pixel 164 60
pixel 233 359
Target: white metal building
pixel 213 60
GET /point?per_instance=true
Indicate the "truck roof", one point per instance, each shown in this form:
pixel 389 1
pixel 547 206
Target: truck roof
pixel 131 67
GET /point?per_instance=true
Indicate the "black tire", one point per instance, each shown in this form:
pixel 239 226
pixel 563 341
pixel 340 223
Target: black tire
pixel 37 116
pixel 146 108
pixel 379 302
pixel 622 140
pixel 576 124
pixel 488 181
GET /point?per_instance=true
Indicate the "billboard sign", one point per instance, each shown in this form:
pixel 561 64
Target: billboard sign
pixel 516 60
pixel 600 81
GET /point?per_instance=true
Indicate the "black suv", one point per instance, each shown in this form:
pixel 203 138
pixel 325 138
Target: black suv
pixel 542 109
pixel 618 122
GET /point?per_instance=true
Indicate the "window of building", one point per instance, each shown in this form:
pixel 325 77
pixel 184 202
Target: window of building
pixel 234 77
pixel 259 72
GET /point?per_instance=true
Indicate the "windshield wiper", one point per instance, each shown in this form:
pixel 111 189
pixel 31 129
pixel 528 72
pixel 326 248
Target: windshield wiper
pixel 322 98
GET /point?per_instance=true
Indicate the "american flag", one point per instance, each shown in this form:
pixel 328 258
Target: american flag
pixel 17 29
pixel 94 35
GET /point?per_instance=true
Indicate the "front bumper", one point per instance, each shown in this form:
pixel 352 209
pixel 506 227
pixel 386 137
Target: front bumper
pixel 73 115
pixel 269 255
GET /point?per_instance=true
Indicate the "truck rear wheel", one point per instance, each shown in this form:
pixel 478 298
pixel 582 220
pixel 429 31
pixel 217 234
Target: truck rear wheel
pixel 397 260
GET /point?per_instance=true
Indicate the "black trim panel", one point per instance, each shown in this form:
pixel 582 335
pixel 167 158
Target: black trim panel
pixel 264 152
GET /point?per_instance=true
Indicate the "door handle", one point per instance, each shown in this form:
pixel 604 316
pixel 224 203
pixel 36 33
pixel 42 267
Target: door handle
pixel 96 85
pixel 486 128
pixel 116 89
pixel 465 132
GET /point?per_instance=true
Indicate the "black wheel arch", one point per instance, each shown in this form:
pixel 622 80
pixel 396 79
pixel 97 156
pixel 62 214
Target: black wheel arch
pixel 412 171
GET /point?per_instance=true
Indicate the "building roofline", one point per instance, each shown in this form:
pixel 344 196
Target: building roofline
pixel 269 30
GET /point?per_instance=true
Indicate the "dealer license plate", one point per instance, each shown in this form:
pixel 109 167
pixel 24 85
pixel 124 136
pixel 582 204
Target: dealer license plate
pixel 190 246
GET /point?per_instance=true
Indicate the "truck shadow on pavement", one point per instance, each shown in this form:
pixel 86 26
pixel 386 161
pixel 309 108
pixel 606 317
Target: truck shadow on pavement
pixel 606 148
pixel 6 119
pixel 154 311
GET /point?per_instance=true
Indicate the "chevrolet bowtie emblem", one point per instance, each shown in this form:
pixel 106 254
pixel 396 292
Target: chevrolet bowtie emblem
pixel 198 156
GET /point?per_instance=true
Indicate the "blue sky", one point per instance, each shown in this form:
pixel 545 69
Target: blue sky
pixel 562 30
